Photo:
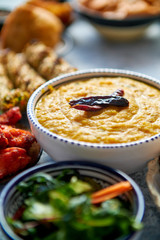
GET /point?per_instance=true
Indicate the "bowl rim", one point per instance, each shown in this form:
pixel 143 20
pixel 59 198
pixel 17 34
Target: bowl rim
pixel 82 74
pixel 100 19
pixel 60 165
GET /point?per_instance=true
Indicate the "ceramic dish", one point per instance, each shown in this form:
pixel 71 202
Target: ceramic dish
pixel 65 45
pixel 115 29
pixel 153 180
pixel 128 157
pixel 11 200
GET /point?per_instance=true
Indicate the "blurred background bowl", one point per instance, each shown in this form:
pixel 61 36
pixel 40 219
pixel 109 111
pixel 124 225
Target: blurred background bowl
pixel 11 199
pixel 126 29
pixel 128 157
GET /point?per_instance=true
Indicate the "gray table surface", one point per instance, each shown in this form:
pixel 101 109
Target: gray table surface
pixel 87 49
pixel 91 50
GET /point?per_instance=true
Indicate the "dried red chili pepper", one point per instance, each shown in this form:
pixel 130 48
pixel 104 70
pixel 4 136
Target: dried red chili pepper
pixel 87 107
pixel 118 92
pixel 95 103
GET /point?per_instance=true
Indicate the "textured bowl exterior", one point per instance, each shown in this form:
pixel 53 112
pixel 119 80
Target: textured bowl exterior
pixel 121 33
pixel 129 22
pixel 116 29
pixel 128 157
pixel 96 17
pixel 11 199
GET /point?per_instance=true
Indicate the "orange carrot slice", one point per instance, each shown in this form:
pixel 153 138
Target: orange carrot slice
pixel 110 192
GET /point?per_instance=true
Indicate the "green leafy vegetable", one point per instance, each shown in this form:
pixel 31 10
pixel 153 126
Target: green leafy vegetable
pixel 61 209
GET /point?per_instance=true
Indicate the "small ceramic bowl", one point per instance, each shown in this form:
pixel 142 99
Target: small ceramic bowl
pixel 153 179
pixel 128 157
pixel 116 29
pixel 11 199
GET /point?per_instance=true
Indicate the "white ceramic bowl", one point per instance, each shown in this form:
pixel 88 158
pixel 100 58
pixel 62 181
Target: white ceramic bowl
pixel 127 29
pixel 128 157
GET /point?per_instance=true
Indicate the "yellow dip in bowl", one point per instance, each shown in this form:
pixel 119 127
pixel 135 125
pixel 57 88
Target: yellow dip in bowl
pixel 110 125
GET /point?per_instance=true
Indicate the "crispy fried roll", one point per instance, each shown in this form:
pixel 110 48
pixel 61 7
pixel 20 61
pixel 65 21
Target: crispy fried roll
pixel 50 67
pixel 10 97
pixel 22 75
pixel 35 52
pixel 45 61
pixel 5 83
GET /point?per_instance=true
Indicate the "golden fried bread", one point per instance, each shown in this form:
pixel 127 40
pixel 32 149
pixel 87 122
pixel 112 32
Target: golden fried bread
pixel 29 22
pixel 62 10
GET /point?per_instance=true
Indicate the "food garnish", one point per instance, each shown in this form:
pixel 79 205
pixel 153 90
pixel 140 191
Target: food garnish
pixel 15 97
pixel 61 208
pixel 94 103
pixel 111 192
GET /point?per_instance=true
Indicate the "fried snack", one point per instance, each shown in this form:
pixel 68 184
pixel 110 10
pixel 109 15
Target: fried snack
pixel 18 150
pixel 10 97
pixel 5 83
pixel 18 137
pixel 122 9
pixel 50 68
pixel 45 61
pixel 4 80
pixel 3 140
pixel 36 51
pixel 11 117
pixel 62 10
pixel 29 22
pixel 12 160
pixel 22 75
